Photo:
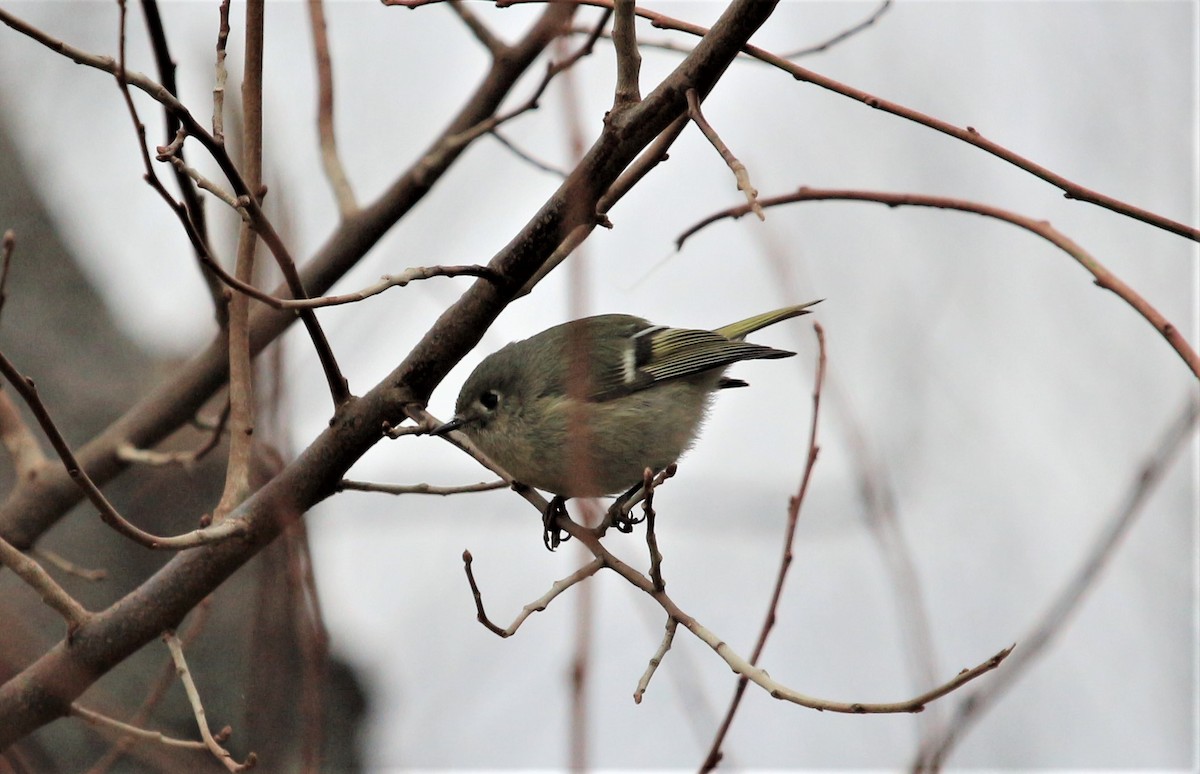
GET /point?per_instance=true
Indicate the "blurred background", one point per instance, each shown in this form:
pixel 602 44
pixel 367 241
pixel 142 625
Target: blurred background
pixel 996 402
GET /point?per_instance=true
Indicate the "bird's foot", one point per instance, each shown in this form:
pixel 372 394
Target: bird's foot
pixel 552 534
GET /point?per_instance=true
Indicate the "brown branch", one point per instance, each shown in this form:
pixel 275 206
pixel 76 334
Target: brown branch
pixel 157 690
pixel 192 203
pixel 54 595
pixel 7 246
pixel 19 441
pixel 793 518
pixel 222 76
pixel 969 135
pixel 185 676
pixel 130 453
pixel 842 36
pixel 629 61
pixel 70 568
pixel 108 513
pixel 1103 277
pixel 241 367
pixel 737 167
pixel 43 690
pixel 656 660
pixel 334 171
pixel 536 606
pixel 93 718
pixel 527 157
pixel 385 282
pixel 482 33
pixel 1054 620
pixel 427 489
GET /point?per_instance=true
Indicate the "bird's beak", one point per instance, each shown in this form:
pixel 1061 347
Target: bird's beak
pixel 447 427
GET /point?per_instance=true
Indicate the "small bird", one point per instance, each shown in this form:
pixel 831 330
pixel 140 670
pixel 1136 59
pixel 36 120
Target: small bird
pixel 583 408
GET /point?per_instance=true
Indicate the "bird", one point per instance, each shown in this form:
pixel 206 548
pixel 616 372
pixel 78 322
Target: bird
pixel 582 409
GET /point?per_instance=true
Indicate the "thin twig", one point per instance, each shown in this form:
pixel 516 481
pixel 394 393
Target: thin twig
pixel 789 536
pixel 193 205
pixel 1104 278
pixel 185 676
pixel 537 606
pixel 1054 620
pixel 426 489
pixel 840 37
pixel 737 167
pixel 656 576
pixel 7 246
pixel 19 441
pixel 130 453
pixel 69 567
pixel 108 513
pixel 481 31
pixel 968 134
pixel 54 595
pixel 241 366
pixel 156 691
pixel 91 717
pixel 385 282
pixel 334 171
pixel 222 76
pixel 527 157
pixel 656 660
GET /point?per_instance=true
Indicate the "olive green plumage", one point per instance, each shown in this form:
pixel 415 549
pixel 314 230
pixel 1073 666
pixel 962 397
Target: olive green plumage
pixel 581 409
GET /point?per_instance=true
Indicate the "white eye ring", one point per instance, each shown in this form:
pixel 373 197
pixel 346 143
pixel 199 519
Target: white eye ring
pixel 490 399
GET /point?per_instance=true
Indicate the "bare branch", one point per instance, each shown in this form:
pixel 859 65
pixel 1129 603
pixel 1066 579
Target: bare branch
pixel 54 595
pixel 334 171
pixel 69 567
pixel 629 61
pixel 735 166
pixel 185 676
pixel 7 245
pixel 1104 278
pixel 537 606
pixel 793 518
pixel 427 489
pixel 845 34
pixel 656 660
pixel 108 513
pixel 130 453
pixel 482 33
pixel 91 717
pixel 222 76
pixel 241 369
pixel 18 439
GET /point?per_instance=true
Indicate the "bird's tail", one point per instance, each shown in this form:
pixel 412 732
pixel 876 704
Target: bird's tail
pixel 739 330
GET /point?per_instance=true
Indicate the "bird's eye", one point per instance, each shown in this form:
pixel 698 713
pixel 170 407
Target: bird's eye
pixel 490 399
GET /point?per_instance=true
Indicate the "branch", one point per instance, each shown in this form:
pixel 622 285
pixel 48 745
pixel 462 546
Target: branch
pixel 969 135
pixel 427 489
pixel 735 166
pixel 793 518
pixel 536 606
pixel 332 164
pixel 185 676
pixel 93 718
pixel 54 595
pixel 44 689
pixel 29 511
pixel 1104 278
pixel 108 513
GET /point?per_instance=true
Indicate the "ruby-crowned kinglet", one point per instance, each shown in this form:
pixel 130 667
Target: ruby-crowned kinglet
pixel 583 408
